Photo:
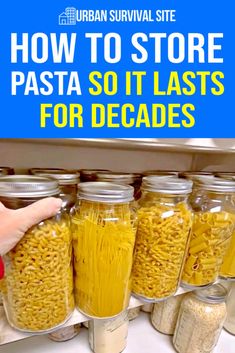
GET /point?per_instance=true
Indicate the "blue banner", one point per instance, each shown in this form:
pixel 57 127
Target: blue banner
pixel 116 69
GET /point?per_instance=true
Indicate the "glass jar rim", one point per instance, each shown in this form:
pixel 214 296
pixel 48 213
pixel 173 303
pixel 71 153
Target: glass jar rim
pixel 119 177
pixel 28 186
pixel 215 184
pixel 105 192
pixel 213 294
pixel 166 185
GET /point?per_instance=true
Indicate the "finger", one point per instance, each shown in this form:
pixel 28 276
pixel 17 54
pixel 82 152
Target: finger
pixel 33 214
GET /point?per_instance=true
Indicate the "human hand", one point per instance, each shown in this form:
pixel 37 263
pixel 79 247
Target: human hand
pixel 14 223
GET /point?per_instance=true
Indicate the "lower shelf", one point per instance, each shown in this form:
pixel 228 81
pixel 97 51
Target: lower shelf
pixel 142 337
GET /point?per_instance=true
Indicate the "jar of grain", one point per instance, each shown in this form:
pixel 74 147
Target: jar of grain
pixel 164 315
pixel 107 336
pixel 229 324
pixel 164 226
pixel 200 321
pixel 67 181
pixel 104 227
pixel 38 283
pixel 65 333
pixel 214 222
pixel 133 179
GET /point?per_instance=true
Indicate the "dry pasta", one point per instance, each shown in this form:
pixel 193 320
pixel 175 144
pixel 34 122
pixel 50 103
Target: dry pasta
pixel 39 277
pixel 211 235
pixel 228 267
pixel 162 237
pixel 103 236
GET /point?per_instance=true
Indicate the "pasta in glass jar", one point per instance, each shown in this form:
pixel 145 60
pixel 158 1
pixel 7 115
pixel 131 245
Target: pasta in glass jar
pixel 200 320
pixel 164 226
pixel 67 180
pixel 104 227
pixel 38 283
pixel 214 222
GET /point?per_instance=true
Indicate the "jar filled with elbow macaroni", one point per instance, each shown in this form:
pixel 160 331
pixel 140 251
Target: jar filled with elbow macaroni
pixel 6 171
pixel 214 222
pixel 133 179
pixel 67 180
pixel 164 315
pixel 164 226
pixel 200 320
pixel 104 227
pixel 229 324
pixel 38 294
pixel 106 336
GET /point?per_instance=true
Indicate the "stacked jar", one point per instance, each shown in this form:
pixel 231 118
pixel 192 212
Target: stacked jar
pixel 214 221
pixel 38 271
pixel 200 320
pixel 104 227
pixel 164 226
pixel 67 180
pixel 132 179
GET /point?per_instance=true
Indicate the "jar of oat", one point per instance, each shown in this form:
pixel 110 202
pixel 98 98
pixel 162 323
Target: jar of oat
pixel 214 222
pixel 65 333
pixel 38 283
pixel 164 315
pixel 200 321
pixel 107 336
pixel 229 324
pixel 163 230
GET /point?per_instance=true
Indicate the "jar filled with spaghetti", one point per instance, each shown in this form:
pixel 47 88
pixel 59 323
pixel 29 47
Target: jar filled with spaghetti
pixel 214 222
pixel 104 227
pixel 200 320
pixel 133 179
pixel 164 226
pixel 229 324
pixel 38 283
pixel 67 180
pixel 165 313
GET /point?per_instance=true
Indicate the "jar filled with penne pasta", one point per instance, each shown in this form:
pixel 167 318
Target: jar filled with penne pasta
pixel 164 226
pixel 38 283
pixel 68 181
pixel 214 222
pixel 103 227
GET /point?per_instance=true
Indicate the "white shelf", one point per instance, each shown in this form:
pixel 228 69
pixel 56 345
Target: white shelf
pixel 142 337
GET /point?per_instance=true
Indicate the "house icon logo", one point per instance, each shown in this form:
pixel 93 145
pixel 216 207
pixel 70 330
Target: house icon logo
pixel 68 17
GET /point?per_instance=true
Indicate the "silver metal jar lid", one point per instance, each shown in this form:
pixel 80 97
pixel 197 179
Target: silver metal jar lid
pixel 105 192
pixel 27 186
pixel 166 185
pixel 120 178
pixel 216 184
pixel 63 177
pixel 213 294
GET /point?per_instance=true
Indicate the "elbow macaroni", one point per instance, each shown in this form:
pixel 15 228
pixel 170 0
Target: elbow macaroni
pixel 103 241
pixel 162 238
pixel 210 239
pixel 39 277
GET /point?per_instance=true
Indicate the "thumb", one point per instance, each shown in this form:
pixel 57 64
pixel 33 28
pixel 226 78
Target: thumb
pixel 27 217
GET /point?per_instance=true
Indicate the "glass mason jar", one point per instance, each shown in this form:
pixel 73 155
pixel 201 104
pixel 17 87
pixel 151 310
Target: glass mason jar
pixel 132 179
pixel 229 324
pixel 90 174
pixel 64 334
pixel 106 336
pixel 200 321
pixel 214 221
pixel 38 294
pixel 104 227
pixel 164 226
pixel 6 171
pixel 68 182
pixel 164 315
